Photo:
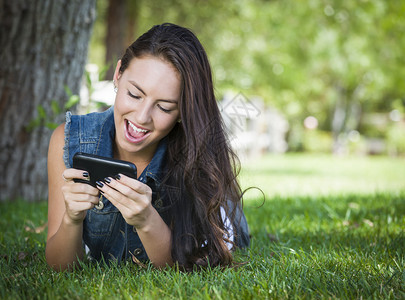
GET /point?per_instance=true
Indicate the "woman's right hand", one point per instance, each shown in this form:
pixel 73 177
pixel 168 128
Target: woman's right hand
pixel 79 197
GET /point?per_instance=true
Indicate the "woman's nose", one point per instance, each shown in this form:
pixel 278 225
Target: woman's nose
pixel 144 112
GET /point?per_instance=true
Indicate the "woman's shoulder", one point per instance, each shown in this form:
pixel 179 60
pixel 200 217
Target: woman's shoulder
pixel 57 142
pixel 58 135
pixel 89 133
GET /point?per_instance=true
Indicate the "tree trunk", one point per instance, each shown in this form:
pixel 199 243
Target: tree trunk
pixel 133 8
pixel 346 117
pixel 43 48
pixel 122 20
pixel 339 119
pixel 116 32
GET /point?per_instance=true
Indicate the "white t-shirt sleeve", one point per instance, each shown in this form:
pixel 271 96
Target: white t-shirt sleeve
pixel 228 228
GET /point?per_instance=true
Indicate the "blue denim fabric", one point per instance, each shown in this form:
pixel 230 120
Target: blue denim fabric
pixel 105 231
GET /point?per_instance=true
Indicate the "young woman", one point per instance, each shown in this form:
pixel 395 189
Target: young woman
pixel 184 207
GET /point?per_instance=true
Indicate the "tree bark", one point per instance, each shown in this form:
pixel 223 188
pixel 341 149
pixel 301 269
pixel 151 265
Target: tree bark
pixel 43 48
pixel 116 32
pixel 122 20
pixel 133 8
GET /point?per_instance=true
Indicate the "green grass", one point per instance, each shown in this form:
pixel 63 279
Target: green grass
pixel 310 174
pixel 329 228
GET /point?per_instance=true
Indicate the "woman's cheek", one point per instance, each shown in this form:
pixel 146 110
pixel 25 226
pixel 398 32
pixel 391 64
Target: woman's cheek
pixel 122 106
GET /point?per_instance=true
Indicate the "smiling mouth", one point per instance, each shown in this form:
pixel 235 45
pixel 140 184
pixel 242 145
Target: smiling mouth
pixel 135 134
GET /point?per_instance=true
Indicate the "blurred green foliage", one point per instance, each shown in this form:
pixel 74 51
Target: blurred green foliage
pixel 335 60
pixel 48 120
pixel 317 141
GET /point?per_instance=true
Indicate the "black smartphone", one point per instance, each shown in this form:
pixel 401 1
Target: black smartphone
pixel 100 167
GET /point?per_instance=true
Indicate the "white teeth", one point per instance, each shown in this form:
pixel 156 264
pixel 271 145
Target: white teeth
pixel 136 128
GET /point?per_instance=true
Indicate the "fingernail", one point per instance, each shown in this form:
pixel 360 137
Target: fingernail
pixel 118 177
pixel 107 179
pixel 85 174
pixel 99 184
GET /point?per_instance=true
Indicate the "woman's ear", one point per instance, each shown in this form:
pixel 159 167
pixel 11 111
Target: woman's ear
pixel 117 73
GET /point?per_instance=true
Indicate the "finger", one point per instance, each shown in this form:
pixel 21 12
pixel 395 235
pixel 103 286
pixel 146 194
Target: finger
pixel 138 192
pixel 122 188
pixel 134 184
pixel 129 202
pixel 116 197
pixel 77 187
pixel 70 174
pixel 81 198
pixel 74 208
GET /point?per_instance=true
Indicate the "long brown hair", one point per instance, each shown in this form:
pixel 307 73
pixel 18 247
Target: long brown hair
pixel 201 166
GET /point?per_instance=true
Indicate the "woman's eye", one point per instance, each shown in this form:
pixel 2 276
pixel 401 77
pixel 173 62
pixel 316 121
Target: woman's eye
pixel 164 109
pixel 133 96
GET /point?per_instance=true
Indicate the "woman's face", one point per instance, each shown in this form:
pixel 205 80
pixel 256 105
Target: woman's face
pixel 146 105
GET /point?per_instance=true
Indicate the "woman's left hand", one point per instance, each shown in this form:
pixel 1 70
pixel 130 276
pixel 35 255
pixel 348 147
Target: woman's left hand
pixel 132 198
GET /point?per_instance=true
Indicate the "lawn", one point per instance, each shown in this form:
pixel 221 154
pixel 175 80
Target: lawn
pixel 330 227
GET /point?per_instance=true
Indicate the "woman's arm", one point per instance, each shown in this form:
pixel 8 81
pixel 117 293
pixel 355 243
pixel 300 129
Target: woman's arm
pixel 67 205
pixel 134 200
pixel 156 238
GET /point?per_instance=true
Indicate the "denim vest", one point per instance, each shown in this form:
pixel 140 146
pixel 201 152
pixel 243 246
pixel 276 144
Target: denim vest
pixel 105 231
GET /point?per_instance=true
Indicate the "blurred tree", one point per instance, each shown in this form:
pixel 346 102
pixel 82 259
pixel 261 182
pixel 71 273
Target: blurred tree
pixel 43 49
pixel 122 18
pixel 345 57
pixel 335 60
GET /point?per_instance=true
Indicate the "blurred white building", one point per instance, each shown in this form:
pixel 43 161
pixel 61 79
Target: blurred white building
pixel 254 128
